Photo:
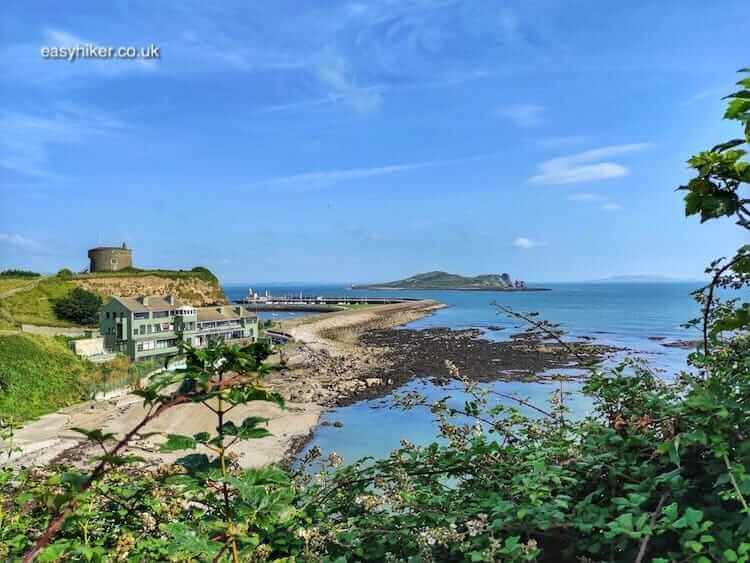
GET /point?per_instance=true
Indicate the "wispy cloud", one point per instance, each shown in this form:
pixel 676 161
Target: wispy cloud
pixel 586 166
pixel 710 93
pixel 324 178
pixel 605 204
pixel 524 115
pixel 27 138
pixel 526 243
pixel 334 72
pixel 18 241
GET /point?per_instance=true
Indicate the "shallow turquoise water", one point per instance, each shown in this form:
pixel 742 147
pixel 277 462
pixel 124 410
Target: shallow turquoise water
pixel 624 315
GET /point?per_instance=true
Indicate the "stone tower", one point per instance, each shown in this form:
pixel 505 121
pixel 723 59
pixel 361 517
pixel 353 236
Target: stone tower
pixel 110 258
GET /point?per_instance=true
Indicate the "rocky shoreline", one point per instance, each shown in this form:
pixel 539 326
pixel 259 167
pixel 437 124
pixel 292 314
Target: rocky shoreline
pixel 383 359
pixel 336 359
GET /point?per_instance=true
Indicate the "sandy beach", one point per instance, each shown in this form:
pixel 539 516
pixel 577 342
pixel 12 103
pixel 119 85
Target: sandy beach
pixel 325 364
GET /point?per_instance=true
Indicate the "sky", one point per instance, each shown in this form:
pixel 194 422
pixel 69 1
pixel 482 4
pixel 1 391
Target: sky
pixel 353 141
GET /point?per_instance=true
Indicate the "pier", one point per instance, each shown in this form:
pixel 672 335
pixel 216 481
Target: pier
pixel 319 303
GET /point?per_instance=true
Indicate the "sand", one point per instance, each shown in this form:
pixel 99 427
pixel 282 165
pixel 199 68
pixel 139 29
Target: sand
pixel 325 364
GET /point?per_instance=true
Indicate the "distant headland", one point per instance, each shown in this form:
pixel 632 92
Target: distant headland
pixel 445 280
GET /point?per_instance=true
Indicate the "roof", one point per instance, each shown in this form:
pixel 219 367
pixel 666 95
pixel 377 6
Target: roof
pixel 227 313
pixel 155 303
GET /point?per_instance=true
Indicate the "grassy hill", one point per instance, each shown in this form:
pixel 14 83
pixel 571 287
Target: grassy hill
pixel 25 301
pixel 35 304
pixel 39 375
pixel 445 280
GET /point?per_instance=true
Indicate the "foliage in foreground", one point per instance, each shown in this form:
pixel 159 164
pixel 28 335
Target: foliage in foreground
pixel 659 472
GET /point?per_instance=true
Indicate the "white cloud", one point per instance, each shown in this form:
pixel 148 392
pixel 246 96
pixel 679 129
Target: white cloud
pixel 525 115
pixel 585 197
pixel 19 241
pixel 609 206
pixel 527 243
pixel 586 166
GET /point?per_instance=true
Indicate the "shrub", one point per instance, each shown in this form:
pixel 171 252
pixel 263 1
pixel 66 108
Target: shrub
pixel 79 306
pixel 65 274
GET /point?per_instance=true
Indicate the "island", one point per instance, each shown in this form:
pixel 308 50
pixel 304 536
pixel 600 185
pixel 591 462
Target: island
pixel 444 281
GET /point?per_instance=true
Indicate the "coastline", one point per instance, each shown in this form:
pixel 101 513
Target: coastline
pixel 335 359
pixel 501 289
pixel 323 341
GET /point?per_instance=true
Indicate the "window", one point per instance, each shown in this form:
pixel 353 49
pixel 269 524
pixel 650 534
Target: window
pixel 161 314
pixel 106 314
pixel 143 329
pixel 142 315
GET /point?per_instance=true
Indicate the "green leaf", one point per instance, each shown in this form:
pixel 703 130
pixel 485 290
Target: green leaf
pixel 95 435
pixel 690 519
pixel 196 463
pixel 177 442
pixel 186 540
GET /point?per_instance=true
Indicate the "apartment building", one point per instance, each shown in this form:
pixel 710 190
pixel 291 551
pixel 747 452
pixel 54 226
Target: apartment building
pixel 150 327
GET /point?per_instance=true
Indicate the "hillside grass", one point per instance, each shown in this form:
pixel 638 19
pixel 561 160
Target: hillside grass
pixel 35 305
pixel 9 283
pixel 39 375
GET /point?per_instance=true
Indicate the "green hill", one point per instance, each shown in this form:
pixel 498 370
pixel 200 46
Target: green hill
pixel 445 280
pixel 39 375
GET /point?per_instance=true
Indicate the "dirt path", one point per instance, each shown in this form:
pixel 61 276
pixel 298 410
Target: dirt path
pixel 23 287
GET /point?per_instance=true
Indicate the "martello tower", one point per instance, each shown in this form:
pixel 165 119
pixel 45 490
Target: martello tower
pixel 110 258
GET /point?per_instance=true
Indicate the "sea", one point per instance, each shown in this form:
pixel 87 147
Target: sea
pixel 640 317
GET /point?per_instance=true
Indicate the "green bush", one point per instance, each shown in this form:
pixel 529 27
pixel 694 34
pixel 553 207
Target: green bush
pixel 65 274
pixel 79 306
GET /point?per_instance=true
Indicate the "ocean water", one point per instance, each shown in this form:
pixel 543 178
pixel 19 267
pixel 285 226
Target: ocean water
pixel 628 315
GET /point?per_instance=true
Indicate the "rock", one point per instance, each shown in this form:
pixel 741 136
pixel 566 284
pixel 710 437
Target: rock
pixel 338 424
pixel 683 344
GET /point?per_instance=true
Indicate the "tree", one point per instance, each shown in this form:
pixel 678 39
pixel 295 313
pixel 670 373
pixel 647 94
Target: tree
pixel 79 306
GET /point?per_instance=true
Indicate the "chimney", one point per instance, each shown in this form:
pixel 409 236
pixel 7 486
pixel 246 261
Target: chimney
pixel 170 299
pixel 144 300
pixel 239 310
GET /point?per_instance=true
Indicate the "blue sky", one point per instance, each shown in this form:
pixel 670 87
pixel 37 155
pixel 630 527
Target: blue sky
pixel 366 141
